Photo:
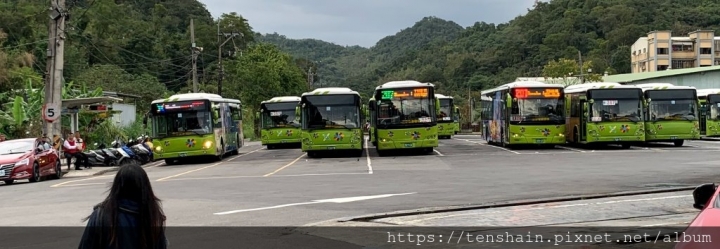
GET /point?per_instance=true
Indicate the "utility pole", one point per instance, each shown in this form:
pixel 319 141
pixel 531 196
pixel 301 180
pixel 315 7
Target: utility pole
pixel 311 77
pixel 470 115
pixel 221 72
pixel 194 56
pixel 580 72
pixel 52 111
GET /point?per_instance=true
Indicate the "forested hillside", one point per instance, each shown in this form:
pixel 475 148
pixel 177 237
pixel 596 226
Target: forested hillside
pixel 486 54
pixel 136 47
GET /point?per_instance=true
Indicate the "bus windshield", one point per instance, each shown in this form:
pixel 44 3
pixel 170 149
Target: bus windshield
pixel 331 111
pixel 713 101
pixel 672 105
pixel 446 113
pixel 615 110
pixel 401 108
pixel 275 115
pixel 181 119
pixel 529 110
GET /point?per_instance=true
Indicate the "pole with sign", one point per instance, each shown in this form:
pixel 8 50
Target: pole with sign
pixel 51 112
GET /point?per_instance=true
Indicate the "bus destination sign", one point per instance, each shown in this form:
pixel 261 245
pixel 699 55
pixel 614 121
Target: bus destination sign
pixel 524 93
pixel 180 106
pixel 404 94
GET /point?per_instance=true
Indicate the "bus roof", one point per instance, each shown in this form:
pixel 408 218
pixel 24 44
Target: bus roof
pixel 196 96
pixel 661 86
pixel 706 92
pixel 440 96
pixel 517 84
pixel 485 98
pixel 403 84
pixel 282 99
pixel 331 91
pixel 599 85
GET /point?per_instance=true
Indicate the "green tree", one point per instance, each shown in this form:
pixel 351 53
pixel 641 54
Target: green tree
pixel 568 71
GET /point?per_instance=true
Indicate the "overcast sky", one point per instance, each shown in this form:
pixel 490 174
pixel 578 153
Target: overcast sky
pixel 361 22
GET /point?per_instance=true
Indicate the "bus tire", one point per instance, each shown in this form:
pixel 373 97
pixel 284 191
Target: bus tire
pixel 270 146
pixel 169 161
pixel 222 151
pixel 381 153
pixel 312 154
pixel 625 146
pixel 357 153
pixel 679 143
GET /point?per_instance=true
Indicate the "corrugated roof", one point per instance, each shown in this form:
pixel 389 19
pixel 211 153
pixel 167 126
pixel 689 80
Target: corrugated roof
pixel 631 77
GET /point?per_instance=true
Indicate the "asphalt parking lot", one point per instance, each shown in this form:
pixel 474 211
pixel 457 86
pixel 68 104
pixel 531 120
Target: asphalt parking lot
pixel 283 187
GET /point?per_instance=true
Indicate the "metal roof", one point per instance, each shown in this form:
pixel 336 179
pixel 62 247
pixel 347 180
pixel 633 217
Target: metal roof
pixel 706 92
pixel 631 77
pixel 196 96
pixel 597 85
pixel 521 84
pixel 404 83
pixel 662 86
pixel 331 91
pixel 440 96
pixel 282 99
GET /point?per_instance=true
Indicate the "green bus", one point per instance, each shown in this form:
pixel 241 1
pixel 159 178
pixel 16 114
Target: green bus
pixel 709 113
pixel 524 112
pixel 604 113
pixel 332 119
pixel 278 123
pixel 404 116
pixel 671 113
pixel 446 118
pixel 195 124
pixel 371 118
pixel 456 119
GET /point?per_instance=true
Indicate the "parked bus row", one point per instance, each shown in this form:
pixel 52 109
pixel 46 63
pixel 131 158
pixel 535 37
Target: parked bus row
pixel 597 113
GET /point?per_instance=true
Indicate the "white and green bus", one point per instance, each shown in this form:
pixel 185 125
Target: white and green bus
pixel 195 125
pixel 671 114
pixel 709 112
pixel 278 123
pixel 332 119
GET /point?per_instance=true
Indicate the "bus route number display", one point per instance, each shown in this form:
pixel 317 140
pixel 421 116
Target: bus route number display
pixel 411 93
pixel 524 93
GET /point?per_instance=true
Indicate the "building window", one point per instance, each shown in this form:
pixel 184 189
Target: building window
pixel 678 64
pixel 662 51
pixel 680 48
pixel 705 50
pixel 661 68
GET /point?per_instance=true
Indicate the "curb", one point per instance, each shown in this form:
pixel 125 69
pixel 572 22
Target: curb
pixel 368 218
pixel 110 169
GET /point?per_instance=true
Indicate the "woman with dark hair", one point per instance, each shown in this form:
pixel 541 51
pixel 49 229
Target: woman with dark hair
pixel 130 217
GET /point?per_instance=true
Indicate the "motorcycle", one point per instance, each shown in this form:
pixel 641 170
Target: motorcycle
pixel 94 159
pixel 127 155
pixel 143 153
pixel 111 155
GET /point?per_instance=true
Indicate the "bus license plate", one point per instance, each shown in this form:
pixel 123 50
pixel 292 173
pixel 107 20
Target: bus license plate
pixel 182 154
pixel 539 141
pixel 673 137
pixel 409 145
pixel 331 147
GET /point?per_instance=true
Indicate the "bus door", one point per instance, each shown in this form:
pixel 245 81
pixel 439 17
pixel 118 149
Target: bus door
pixel 704 112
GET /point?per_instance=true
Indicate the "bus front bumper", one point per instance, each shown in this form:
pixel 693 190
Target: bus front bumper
pixel 519 139
pixel 386 144
pixel 180 154
pixel 281 141
pixel 655 137
pixel 345 146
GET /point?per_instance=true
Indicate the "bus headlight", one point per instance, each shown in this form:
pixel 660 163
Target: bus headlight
pixel 158 148
pixel 207 144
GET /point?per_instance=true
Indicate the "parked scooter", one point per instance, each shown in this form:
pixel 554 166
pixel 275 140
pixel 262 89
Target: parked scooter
pixel 94 159
pixel 110 155
pixel 142 153
pixel 127 155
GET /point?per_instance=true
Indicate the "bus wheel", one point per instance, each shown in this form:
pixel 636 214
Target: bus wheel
pixel 357 153
pixel 679 143
pixel 381 153
pixel 270 146
pixel 625 146
pixel 312 154
pixel 575 135
pixel 169 161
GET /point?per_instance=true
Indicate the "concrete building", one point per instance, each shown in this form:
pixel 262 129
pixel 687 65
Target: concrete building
pixel 661 51
pixel 699 77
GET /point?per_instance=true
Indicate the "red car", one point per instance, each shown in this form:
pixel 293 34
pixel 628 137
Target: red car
pixel 28 158
pixel 706 225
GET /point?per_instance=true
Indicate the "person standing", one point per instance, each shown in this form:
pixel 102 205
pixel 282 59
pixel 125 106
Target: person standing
pixel 2 137
pixel 131 216
pixel 71 150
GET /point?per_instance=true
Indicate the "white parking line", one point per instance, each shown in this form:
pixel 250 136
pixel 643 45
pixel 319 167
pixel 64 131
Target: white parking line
pixel 497 147
pixel 209 166
pixel 568 148
pixel 438 152
pixel 286 165
pixel 367 155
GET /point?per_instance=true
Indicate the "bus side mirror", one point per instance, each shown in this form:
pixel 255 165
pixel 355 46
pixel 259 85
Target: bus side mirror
pixel 257 114
pixel 145 122
pixel 297 111
pixel 592 101
pixel 702 195
pixel 372 106
pixel 508 101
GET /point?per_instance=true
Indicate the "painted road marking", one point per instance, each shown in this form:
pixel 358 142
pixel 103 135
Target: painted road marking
pixel 498 147
pixel 79 180
pixel 234 177
pixel 209 166
pixel 568 148
pixel 551 207
pixel 286 165
pixel 334 200
pixel 367 155
pixel 438 152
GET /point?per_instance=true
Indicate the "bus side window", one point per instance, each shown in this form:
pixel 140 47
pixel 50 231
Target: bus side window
pixel 515 108
pixel 235 112
pixel 217 117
